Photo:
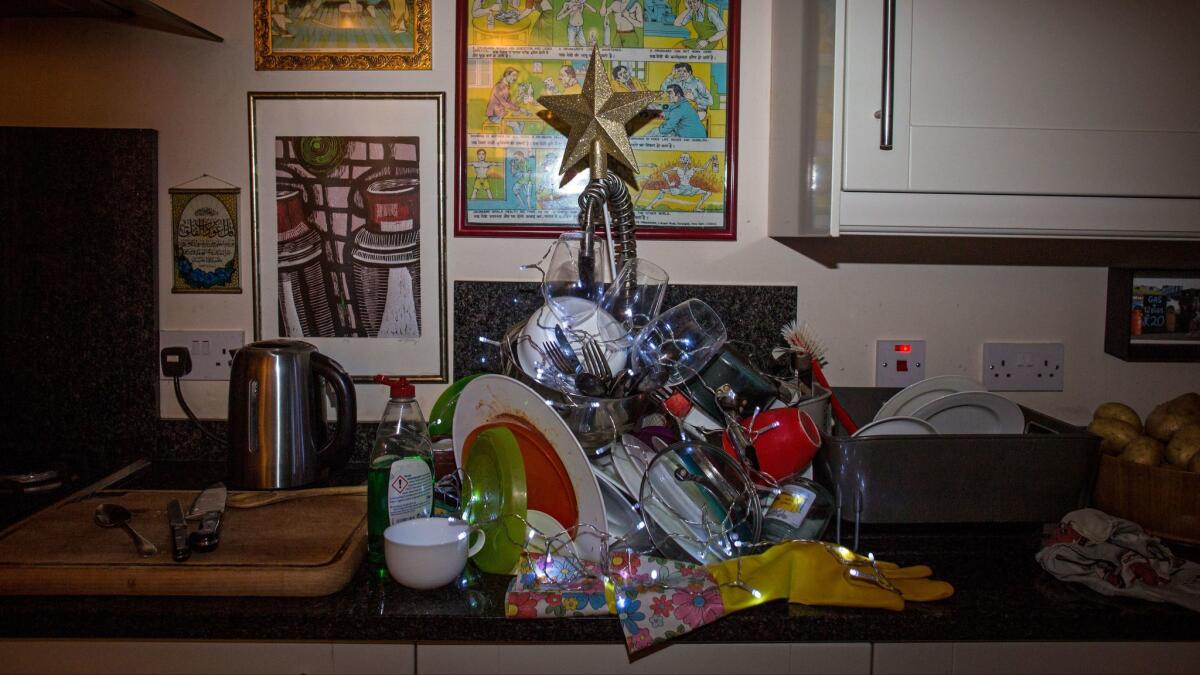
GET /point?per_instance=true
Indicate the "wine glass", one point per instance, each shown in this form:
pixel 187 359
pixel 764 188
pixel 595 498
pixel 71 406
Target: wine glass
pixel 637 293
pixel 681 340
pixel 576 278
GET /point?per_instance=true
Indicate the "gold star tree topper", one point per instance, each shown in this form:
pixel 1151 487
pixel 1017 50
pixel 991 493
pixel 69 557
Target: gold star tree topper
pixel 597 117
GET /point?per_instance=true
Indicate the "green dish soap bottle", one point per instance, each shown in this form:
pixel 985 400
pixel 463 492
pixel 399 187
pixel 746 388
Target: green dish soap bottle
pixel 400 474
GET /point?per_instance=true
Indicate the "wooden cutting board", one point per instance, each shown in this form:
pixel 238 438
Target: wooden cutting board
pixel 304 547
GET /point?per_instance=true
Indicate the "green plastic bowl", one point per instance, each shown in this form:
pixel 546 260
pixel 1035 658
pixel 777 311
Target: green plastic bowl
pixel 441 416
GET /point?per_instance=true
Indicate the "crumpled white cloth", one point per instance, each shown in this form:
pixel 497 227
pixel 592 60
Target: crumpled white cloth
pixel 1116 557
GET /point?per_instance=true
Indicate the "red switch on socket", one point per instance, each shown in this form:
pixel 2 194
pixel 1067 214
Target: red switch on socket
pixel 901 366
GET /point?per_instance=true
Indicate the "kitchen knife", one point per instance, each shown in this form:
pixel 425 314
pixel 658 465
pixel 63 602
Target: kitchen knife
pixel 207 508
pixel 179 532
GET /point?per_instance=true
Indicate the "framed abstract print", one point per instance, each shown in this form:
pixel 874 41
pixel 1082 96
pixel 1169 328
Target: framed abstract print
pixel 349 236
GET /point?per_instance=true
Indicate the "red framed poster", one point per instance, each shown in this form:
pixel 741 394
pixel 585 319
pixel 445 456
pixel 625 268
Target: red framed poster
pixel 510 52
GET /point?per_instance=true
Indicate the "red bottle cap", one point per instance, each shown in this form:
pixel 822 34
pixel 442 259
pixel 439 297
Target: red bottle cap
pixel 401 387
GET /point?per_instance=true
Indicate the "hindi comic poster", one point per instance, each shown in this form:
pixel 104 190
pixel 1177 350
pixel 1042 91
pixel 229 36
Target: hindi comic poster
pixel 514 51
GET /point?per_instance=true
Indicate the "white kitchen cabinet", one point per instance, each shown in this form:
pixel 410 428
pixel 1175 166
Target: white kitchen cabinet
pixel 912 658
pixel 1161 658
pixel 1071 118
pixel 681 659
pixel 979 658
pixel 129 657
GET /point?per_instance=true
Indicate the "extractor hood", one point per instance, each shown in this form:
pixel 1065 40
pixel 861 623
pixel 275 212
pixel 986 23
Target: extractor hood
pixel 136 12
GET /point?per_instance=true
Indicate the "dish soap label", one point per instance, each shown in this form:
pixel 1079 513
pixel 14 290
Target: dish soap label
pixel 410 490
pixel 791 506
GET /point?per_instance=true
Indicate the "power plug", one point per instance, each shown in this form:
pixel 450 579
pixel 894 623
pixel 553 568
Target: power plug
pixel 175 361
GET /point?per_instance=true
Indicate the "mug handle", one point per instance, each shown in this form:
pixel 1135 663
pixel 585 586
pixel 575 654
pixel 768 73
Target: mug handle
pixel 477 545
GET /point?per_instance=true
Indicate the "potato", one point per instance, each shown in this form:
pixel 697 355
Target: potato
pixel 1185 404
pixel 1143 450
pixel 1115 434
pixel 1162 423
pixel 1118 411
pixel 1184 445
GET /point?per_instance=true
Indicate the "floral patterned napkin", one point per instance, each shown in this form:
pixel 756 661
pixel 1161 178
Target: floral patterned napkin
pixel 655 599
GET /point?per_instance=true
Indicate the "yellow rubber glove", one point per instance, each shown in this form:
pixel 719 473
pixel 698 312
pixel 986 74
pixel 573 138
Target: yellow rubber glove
pixel 816 573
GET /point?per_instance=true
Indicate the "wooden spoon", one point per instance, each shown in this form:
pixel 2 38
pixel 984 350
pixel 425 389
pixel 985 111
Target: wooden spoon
pixel 250 500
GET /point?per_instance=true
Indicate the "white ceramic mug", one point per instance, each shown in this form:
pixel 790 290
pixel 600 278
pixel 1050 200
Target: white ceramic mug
pixel 426 553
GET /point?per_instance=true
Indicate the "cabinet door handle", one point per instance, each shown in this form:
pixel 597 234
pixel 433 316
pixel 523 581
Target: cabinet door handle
pixel 889 74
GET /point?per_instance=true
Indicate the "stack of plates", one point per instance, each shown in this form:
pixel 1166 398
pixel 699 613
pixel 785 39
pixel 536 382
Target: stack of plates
pixel 950 404
pixel 558 478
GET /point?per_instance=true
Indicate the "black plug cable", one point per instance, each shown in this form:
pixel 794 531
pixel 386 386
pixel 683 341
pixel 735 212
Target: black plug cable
pixel 177 362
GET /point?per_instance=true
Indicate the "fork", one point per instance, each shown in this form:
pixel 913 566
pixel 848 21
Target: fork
pixel 559 359
pixel 595 362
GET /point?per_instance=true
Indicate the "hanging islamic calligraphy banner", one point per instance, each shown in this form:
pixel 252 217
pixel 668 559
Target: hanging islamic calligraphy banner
pixel 204 239
pixel 511 52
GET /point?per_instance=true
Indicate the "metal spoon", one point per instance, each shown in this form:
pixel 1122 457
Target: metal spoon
pixel 590 385
pixel 115 515
pixel 731 404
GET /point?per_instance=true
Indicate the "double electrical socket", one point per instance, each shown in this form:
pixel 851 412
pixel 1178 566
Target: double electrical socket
pixel 211 351
pixel 1024 366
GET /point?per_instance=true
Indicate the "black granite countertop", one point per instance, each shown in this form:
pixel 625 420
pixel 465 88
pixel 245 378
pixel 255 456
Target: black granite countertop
pixel 1001 594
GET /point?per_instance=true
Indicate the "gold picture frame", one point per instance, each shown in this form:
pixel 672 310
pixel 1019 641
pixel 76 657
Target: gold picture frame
pixel 360 222
pixel 312 27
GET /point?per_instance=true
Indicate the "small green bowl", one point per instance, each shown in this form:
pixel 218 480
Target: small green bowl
pixel 441 416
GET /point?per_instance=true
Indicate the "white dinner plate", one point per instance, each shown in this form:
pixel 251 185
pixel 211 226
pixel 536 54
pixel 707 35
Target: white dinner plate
pixel 896 426
pixel 606 474
pixel 632 457
pixel 624 523
pixel 911 398
pixel 973 412
pixel 489 396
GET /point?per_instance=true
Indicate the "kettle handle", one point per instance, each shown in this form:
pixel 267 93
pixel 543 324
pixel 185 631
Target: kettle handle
pixel 337 451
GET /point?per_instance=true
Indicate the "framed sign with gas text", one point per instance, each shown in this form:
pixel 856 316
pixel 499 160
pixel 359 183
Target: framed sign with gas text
pixel 1153 315
pixel 348 233
pixel 511 53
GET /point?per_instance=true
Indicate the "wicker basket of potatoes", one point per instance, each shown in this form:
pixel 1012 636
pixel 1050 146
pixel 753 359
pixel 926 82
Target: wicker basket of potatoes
pixel 1150 471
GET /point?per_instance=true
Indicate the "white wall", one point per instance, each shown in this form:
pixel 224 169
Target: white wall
pixel 95 74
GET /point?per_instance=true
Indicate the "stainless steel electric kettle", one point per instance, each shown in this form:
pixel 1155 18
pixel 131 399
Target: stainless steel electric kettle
pixel 277 432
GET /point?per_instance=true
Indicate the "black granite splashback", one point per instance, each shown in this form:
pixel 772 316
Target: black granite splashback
pixel 78 245
pixel 181 441
pixel 753 315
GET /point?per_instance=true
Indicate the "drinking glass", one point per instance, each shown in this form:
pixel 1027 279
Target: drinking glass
pixel 681 340
pixel 573 284
pixel 636 295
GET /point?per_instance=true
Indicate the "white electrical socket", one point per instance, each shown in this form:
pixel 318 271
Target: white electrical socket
pixel 211 351
pixel 1024 366
pixel 899 363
